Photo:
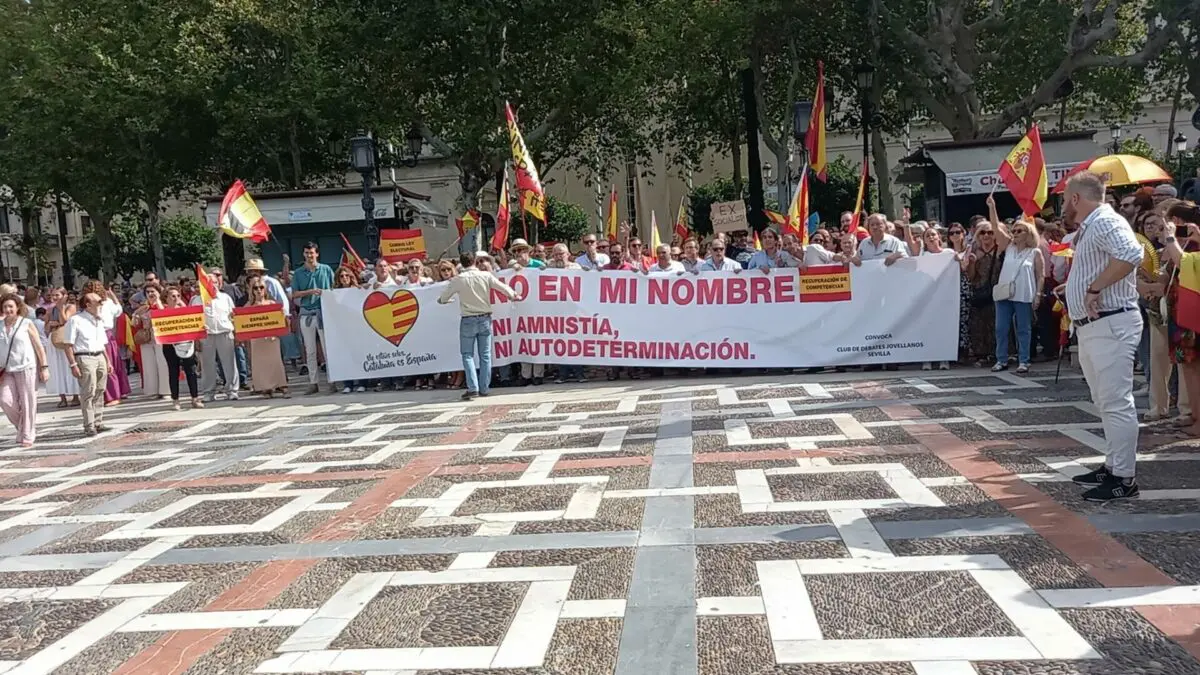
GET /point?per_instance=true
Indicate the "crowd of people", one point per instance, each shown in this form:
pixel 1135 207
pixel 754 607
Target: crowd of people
pixel 1012 299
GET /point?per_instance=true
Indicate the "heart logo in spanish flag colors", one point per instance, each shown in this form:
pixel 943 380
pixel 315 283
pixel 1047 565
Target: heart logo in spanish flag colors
pixel 392 317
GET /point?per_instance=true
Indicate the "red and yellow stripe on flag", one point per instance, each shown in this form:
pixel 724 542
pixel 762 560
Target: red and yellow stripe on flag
pixel 1024 172
pixel 611 229
pixel 391 316
pixel 503 216
pixel 798 211
pixel 857 222
pixel 529 185
pixel 815 140
pixel 124 331
pixel 776 218
pixel 1187 302
pixel 467 223
pixel 1061 250
pixel 205 285
pixel 757 241
pixel 682 229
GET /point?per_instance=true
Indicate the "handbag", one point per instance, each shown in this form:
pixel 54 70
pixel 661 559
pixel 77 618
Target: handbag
pixel 1006 291
pixel 11 341
pixel 58 337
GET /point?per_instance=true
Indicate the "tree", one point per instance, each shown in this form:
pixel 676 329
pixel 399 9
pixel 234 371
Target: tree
pixel 565 222
pixel 567 69
pixel 980 68
pixel 185 241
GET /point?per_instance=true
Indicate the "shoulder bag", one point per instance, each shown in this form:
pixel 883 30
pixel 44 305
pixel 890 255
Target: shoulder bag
pixel 11 341
pixel 1006 291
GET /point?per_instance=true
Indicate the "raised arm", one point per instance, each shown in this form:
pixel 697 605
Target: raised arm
pixel 1003 238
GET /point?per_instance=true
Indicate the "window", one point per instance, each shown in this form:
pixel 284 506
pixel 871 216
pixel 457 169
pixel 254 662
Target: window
pixel 631 192
pixel 85 224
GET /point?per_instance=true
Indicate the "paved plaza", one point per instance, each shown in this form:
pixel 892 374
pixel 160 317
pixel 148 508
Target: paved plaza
pixel 892 523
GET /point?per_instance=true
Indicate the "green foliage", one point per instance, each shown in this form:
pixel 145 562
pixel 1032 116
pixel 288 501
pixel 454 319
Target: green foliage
pixel 186 241
pixel 1139 146
pixel 702 199
pixel 837 193
pixel 566 223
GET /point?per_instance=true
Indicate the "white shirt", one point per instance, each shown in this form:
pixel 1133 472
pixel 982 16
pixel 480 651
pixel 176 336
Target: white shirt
pixel 1018 270
pixel 1102 237
pixel 473 288
pixel 41 329
pixel 405 282
pixel 867 250
pixel 22 356
pixel 586 263
pixel 816 254
pixel 86 333
pixel 727 265
pixel 218 315
pixel 674 268
pixel 109 311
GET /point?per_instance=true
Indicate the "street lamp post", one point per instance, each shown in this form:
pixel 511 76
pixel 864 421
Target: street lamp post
pixel 1180 151
pixel 1116 131
pixel 362 158
pixel 865 75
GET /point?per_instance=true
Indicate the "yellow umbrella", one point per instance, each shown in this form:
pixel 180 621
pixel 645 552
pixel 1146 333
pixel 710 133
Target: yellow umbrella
pixel 1118 170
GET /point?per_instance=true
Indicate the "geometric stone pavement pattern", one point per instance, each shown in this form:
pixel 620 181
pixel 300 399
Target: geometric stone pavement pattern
pixel 808 525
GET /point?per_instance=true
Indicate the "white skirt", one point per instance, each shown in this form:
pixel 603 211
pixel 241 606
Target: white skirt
pixel 62 382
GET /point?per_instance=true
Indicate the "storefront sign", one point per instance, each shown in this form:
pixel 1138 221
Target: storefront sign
pixel 981 182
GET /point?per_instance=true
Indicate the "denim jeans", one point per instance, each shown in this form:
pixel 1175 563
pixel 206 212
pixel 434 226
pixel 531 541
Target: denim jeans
pixel 1143 350
pixel 475 332
pixel 571 372
pixel 1006 311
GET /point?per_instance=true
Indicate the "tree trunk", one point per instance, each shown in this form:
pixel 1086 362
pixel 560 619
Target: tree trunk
pixel 735 150
pixel 155 229
pixel 883 174
pixel 468 198
pixel 68 273
pixel 31 229
pixel 783 180
pixel 1176 100
pixel 104 240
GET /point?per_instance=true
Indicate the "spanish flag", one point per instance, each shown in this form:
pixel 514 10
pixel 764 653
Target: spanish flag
pixel 611 229
pixel 777 218
pixel 681 221
pixel 1187 302
pixel 815 140
pixel 205 286
pixel 655 239
pixel 239 215
pixel 1061 250
pixel 1024 172
pixel 529 185
pixel 757 241
pixel 798 211
pixel 124 333
pixel 503 216
pixel 857 221
pixel 350 257
pixel 467 223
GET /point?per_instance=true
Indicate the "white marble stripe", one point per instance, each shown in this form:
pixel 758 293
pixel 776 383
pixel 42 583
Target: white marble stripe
pixel 944 668
pixel 730 606
pixel 593 609
pixel 129 563
pixel 1138 596
pixel 331 618
pixel 859 535
pixel 918 649
pixel 472 560
pixel 790 613
pixel 934 563
pixel 1053 637
pixel 75 642
pixel 492 575
pixel 528 638
pixel 265 618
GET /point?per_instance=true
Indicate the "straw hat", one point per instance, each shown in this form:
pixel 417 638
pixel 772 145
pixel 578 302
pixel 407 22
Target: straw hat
pixel 255 265
pixel 519 245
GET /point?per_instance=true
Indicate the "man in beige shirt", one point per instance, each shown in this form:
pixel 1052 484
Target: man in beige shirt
pixel 473 288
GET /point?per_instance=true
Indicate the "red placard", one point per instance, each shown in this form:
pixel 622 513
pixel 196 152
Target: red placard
pixel 178 324
pixel 401 245
pixel 825 283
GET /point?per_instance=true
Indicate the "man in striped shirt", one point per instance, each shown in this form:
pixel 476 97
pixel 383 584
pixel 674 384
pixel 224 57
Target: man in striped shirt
pixel 1102 302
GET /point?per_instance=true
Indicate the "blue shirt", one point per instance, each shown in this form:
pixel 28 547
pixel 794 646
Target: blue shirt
pixel 761 260
pixel 305 280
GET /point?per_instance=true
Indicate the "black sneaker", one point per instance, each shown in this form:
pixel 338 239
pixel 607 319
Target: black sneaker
pixel 1113 489
pixel 1096 477
pixel 468 395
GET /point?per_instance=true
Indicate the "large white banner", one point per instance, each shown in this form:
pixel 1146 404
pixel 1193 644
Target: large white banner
pixel 825 316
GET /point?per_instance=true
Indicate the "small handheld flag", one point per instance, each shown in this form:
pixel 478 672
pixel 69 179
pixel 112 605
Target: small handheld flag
pixel 239 215
pixel 205 284
pixel 611 230
pixel 467 223
pixel 503 216
pixel 350 257
pixel 655 239
pixel 798 211
pixel 681 220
